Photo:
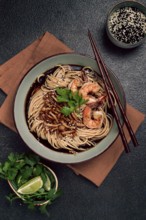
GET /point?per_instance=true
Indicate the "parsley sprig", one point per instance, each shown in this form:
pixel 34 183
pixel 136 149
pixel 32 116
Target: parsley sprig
pixel 18 169
pixel 72 100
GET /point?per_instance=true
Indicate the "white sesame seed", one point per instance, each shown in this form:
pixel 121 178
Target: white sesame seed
pixel 128 25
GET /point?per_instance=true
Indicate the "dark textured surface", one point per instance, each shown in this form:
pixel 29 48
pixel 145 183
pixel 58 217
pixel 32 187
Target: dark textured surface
pixel 123 194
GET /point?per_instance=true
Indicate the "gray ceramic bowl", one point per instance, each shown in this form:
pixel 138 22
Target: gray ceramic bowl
pixel 113 36
pixel 20 119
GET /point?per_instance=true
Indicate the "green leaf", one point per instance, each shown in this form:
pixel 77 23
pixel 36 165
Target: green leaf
pixel 37 170
pixel 19 164
pixel 11 197
pixel 11 157
pixel 43 209
pixel 26 172
pixel 82 101
pixel 12 173
pixel 67 110
pixel 72 104
pixel 1 170
pixel 63 92
pixel 62 99
pixel 71 99
pixel 76 96
pixel 31 206
pixel 6 166
pixel 31 160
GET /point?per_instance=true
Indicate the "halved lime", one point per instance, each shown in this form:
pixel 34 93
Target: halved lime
pixel 31 186
pixel 47 184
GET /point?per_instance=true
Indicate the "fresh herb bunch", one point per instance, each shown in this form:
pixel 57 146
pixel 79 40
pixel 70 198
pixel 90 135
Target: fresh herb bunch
pixel 72 100
pixel 18 169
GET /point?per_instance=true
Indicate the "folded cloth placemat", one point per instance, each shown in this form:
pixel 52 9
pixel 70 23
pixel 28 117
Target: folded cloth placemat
pixel 12 72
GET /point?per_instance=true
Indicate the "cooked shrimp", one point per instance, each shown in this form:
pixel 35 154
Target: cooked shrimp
pixel 99 102
pixel 92 119
pixel 75 83
pixel 87 88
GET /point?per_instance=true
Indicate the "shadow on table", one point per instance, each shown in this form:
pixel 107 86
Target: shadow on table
pixel 115 49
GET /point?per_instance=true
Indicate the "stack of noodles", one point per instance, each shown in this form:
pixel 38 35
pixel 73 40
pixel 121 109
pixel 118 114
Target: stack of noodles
pixel 78 131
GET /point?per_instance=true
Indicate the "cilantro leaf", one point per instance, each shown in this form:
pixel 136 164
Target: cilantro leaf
pixel 62 99
pixel 19 169
pixel 67 110
pixel 72 104
pixel 26 172
pixel 63 92
pixel 82 101
pixel 76 96
pixel 6 166
pixel 37 170
pixel 72 100
pixel 11 157
pixel 12 173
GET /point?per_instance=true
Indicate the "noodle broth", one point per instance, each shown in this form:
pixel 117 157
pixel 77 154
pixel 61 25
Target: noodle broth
pixel 80 130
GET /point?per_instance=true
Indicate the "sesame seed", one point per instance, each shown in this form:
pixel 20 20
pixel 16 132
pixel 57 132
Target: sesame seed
pixel 128 25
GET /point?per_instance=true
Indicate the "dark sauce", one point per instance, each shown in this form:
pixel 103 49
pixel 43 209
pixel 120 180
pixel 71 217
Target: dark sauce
pixel 35 86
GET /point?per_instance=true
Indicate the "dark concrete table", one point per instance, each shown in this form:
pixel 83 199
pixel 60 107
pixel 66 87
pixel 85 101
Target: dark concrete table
pixel 123 194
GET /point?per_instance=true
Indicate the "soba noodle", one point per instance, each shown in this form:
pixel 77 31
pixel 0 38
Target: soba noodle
pixel 69 133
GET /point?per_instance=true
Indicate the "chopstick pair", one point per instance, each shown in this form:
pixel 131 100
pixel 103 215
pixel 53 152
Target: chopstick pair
pixel 108 83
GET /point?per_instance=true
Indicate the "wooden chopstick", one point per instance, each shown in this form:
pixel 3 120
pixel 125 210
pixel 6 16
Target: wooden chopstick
pixel 132 135
pixel 106 79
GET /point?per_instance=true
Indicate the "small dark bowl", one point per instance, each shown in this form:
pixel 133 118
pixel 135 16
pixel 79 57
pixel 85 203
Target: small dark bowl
pixel 111 36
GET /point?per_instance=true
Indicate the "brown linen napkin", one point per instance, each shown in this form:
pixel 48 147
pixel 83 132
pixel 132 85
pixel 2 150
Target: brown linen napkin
pixel 11 74
pixel 13 70
pixel 98 168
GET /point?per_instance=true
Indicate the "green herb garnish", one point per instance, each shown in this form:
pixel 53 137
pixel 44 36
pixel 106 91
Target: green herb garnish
pixel 72 100
pixel 20 169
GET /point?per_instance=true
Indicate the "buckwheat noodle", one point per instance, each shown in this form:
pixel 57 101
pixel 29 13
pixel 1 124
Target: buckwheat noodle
pixel 68 133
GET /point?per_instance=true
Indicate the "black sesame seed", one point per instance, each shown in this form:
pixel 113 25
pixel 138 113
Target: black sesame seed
pixel 128 25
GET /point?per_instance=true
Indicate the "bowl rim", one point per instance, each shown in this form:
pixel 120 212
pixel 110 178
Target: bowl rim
pixel 122 4
pixel 69 158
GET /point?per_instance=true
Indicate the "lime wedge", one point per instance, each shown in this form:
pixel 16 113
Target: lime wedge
pixel 31 186
pixel 47 184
